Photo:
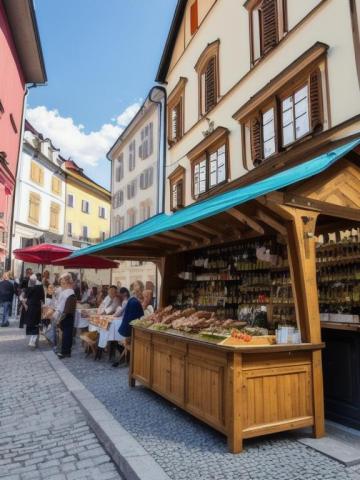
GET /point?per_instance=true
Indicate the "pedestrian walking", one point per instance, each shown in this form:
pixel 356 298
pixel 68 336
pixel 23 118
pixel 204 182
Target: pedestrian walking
pixel 7 291
pixel 24 283
pixel 65 309
pixel 34 297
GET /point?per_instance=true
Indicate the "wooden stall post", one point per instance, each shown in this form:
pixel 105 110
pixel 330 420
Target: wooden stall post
pixel 302 260
pixel 235 434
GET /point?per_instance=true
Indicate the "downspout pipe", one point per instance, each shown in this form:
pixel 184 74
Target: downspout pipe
pixel 160 204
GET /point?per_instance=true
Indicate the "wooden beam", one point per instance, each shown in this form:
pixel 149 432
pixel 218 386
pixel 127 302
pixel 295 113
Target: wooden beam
pixel 321 207
pixel 271 221
pixel 165 240
pixel 193 233
pixel 241 217
pixel 178 236
pixel 205 228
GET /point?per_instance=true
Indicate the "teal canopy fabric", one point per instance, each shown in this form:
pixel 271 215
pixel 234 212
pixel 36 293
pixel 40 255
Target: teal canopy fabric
pixel 222 202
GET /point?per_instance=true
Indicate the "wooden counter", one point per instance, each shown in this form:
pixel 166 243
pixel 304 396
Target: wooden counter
pixel 242 391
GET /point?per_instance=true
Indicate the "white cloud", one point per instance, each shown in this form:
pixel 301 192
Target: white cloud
pixel 87 149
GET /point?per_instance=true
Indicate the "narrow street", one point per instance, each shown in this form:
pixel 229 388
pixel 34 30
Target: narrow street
pixel 43 433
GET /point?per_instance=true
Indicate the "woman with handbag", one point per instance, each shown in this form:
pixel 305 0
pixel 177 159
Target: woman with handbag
pixel 65 309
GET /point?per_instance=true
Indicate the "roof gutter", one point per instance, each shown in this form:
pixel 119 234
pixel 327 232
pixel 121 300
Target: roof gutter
pixel 160 204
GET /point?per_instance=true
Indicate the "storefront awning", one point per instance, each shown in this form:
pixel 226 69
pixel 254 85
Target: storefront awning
pixel 163 223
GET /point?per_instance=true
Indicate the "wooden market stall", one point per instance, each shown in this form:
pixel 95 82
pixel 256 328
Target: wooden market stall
pixel 246 390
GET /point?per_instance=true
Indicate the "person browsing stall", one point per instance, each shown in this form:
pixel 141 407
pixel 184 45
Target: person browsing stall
pixel 110 302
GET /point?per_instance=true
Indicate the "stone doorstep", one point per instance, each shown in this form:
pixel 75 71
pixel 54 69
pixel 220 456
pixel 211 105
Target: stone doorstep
pixel 132 460
pixel 340 443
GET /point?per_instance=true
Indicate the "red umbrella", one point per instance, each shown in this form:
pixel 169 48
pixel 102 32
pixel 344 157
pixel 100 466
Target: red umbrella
pixel 86 261
pixel 43 254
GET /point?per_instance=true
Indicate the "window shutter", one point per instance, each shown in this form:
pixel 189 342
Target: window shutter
pixel 269 25
pixel 255 138
pixel 316 107
pixel 193 17
pixel 179 194
pixel 151 138
pixel 140 151
pixel 210 85
pixel 151 176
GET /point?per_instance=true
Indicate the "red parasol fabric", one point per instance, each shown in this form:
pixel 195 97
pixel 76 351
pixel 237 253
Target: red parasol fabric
pixel 43 254
pixel 86 261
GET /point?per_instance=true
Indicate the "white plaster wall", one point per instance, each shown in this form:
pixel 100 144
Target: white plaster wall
pixel 25 186
pixel 228 21
pixel 151 115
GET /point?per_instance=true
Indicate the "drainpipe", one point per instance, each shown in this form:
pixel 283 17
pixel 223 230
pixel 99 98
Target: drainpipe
pixel 160 207
pixel 161 157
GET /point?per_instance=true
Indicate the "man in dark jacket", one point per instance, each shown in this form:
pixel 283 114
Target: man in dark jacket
pixel 133 311
pixel 6 297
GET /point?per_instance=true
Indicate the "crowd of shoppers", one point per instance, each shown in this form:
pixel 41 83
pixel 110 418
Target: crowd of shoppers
pixel 52 306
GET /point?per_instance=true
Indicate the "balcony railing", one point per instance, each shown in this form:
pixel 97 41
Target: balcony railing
pixel 85 239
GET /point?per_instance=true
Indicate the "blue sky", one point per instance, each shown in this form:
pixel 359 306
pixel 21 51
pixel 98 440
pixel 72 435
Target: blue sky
pixel 101 58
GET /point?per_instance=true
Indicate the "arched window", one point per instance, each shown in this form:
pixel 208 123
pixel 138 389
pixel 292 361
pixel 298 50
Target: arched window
pixel 207 68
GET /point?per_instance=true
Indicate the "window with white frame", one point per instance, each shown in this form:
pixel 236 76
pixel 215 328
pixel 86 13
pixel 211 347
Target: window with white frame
pixel 85 206
pixel 132 159
pixel 85 233
pixel 119 224
pixel 102 212
pixel 145 210
pixel 217 160
pixel 131 216
pixel 146 178
pixel 70 200
pixel 147 142
pixel 200 177
pixel 268 132
pixel 69 230
pixel 118 199
pixel 119 169
pixel 131 189
pixel 102 236
pixel 295 116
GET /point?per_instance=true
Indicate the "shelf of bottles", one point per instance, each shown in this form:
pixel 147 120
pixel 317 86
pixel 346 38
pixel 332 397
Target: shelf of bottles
pixel 248 281
pixel 338 278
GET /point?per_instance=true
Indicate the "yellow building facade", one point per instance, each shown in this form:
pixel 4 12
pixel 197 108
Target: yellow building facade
pixel 87 210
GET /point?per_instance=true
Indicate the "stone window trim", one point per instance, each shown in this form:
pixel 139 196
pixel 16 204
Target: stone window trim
pixel 209 53
pixel 176 178
pixel 176 100
pixel 202 151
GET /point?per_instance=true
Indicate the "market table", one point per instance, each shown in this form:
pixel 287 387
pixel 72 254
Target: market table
pixel 242 391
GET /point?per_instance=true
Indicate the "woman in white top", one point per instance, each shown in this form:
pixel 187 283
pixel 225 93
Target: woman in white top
pixel 114 334
pixel 147 302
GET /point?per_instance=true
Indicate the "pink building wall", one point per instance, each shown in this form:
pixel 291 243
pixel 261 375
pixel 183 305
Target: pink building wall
pixel 12 90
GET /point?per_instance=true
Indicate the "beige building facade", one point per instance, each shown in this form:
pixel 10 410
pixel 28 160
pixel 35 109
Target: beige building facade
pixel 137 182
pixel 255 86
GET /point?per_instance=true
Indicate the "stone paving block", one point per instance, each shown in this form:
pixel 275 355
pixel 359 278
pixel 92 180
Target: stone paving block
pixel 39 418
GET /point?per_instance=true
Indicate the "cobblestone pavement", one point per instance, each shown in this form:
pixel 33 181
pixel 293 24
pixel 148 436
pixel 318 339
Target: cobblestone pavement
pixel 43 433
pixel 188 449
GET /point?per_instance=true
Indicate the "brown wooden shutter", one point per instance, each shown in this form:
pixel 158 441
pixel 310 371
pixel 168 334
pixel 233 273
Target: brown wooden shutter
pixel 194 17
pixel 179 194
pixel 316 105
pixel 269 34
pixel 255 138
pixel 210 85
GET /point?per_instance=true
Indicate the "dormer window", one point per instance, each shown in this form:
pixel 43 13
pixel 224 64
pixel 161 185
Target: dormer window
pixel 207 68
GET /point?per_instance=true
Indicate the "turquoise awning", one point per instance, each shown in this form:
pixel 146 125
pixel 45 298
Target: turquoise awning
pixel 220 203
